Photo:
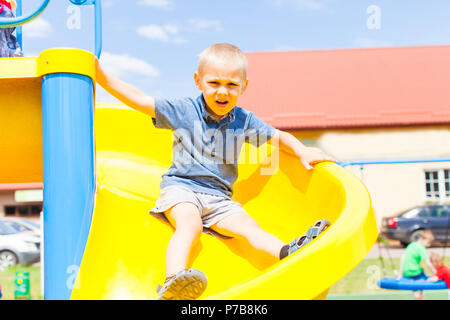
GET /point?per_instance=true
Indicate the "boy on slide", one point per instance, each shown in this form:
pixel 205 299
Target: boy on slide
pixel 196 191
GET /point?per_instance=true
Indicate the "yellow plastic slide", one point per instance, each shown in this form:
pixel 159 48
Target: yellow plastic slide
pixel 125 252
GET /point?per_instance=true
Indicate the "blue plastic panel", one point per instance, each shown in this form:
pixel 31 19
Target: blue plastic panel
pixel 69 177
pixel 409 284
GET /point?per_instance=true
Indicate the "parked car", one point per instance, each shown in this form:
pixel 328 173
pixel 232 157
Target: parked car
pixel 407 225
pixel 23 225
pixel 17 247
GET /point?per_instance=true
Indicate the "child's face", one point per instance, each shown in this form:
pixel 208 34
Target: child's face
pixel 435 263
pixel 222 85
pixel 426 241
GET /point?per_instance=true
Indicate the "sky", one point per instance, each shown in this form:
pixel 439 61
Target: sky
pixel 154 44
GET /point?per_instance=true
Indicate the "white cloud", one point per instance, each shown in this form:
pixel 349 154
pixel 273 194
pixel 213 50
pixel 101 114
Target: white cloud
pixel 31 54
pixel 170 28
pixel 286 47
pixel 170 32
pixel 121 65
pixel 179 40
pixel 38 28
pixel 310 5
pixel 202 24
pixel 371 43
pixel 167 33
pixel 155 3
pixel 153 32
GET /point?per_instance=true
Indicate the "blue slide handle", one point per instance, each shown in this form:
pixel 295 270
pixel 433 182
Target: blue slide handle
pixel 98 22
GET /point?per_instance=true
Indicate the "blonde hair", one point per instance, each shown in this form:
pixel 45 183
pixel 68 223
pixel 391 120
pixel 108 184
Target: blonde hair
pixel 424 234
pixel 436 258
pixel 223 53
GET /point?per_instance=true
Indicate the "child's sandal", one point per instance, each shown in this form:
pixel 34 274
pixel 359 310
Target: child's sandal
pixel 312 233
pixel 318 227
pixel 185 285
pixel 297 244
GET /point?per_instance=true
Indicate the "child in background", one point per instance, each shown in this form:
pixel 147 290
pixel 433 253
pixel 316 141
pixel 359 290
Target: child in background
pixel 9 46
pixel 416 252
pixel 442 271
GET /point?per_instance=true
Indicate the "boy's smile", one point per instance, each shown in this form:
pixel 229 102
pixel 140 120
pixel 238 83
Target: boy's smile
pixel 221 84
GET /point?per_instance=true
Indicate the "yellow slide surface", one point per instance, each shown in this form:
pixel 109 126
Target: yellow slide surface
pixel 125 252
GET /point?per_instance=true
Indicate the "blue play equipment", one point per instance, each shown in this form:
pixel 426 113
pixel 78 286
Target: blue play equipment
pixel 20 20
pixel 69 185
pixel 23 19
pixel 411 284
pixel 362 163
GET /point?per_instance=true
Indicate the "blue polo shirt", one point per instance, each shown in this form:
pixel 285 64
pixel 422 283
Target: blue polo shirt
pixel 206 152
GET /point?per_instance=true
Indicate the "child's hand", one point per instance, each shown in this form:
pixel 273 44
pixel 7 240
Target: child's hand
pixel 311 156
pixel 433 279
pixel 99 73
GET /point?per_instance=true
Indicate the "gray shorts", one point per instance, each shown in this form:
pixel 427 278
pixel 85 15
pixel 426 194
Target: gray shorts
pixel 212 208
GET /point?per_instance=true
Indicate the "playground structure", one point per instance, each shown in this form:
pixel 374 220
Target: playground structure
pixel 402 283
pixel 99 240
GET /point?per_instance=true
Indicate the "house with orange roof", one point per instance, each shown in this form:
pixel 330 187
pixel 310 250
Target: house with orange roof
pixel 365 104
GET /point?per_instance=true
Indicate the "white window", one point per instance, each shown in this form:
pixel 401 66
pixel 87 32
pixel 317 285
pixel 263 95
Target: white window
pixel 437 184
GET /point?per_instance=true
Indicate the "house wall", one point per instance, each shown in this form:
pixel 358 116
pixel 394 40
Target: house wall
pixel 6 199
pixel 29 209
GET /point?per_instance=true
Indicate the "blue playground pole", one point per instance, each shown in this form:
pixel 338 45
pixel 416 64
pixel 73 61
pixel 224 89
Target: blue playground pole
pixel 19 28
pixel 69 177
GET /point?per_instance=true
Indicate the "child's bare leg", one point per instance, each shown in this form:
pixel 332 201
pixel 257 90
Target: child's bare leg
pixel 242 225
pixel 185 217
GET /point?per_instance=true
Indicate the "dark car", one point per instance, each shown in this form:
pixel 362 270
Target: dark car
pixel 406 226
pixel 17 247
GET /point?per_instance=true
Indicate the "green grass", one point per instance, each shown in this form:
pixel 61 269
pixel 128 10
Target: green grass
pixel 7 278
pixel 360 283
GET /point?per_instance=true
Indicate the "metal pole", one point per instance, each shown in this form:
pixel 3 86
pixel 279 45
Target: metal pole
pixel 19 29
